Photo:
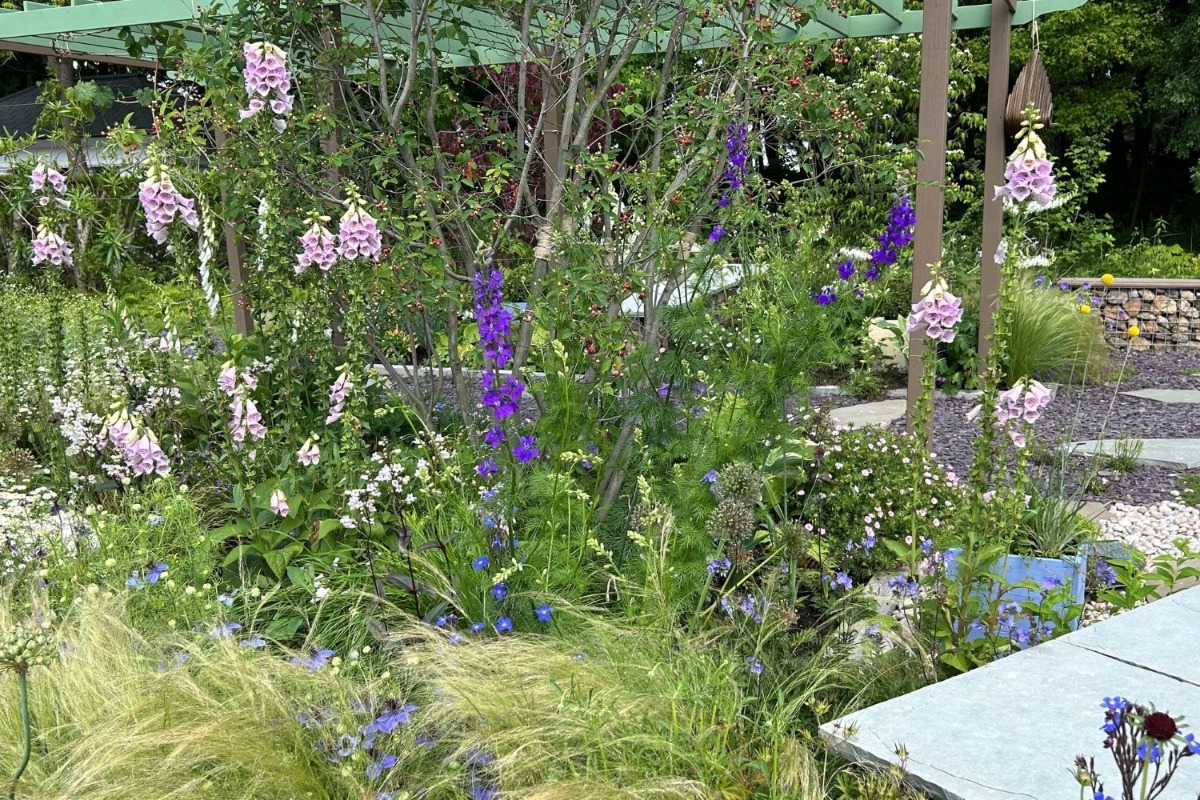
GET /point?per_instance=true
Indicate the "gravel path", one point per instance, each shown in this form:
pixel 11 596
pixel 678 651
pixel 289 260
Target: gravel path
pixel 1089 412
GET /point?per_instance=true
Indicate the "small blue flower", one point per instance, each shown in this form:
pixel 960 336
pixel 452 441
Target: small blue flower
pixel 254 642
pixel 482 791
pixel 716 233
pixel 376 768
pixel 756 666
pixel 426 741
pixel 393 718
pixel 134 580
pixel 825 296
pixel 477 627
pixel 347 745
pixel 1052 582
pixel 504 625
pixel 480 563
pixel 156 572
pixel 315 661
pixel 926 545
pixel 843 580
pixel 718 566
pixel 499 591
pixel 224 630
pixel 1039 280
pixel 227 599
pixel 156 519
pixel 710 477
pixel 664 390
pixel 845 270
pixel 543 612
pixel 487 467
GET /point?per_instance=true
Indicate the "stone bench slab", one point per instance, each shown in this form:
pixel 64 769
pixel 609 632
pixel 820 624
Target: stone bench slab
pixel 1012 729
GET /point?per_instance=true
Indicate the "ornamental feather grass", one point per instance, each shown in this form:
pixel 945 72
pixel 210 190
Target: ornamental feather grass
pixel 618 711
pixel 1051 339
pixel 115 718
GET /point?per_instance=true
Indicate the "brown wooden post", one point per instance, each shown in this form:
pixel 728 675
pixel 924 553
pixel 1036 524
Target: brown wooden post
pixel 329 90
pixel 931 170
pixel 993 174
pixel 235 250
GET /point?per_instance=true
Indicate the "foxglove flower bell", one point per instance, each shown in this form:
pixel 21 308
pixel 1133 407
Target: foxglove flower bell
pixel 162 201
pixel 1029 174
pixel 358 232
pixel 268 82
pixel 317 247
pixel 49 246
pixel 937 313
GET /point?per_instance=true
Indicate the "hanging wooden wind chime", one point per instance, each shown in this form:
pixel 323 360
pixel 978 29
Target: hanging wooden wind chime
pixel 1032 88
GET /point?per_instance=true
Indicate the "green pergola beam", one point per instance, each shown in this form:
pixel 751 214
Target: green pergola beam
pixel 492 39
pixel 52 20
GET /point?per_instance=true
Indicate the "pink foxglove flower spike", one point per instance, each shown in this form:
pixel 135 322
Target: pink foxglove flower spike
pixel 162 202
pixel 268 82
pixel 317 247
pixel 1029 174
pixel 358 232
pixel 49 246
pixel 937 313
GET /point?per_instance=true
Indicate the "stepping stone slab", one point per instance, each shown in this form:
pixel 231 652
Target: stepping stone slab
pixel 1178 454
pixel 1011 730
pixel 1172 396
pixel 883 413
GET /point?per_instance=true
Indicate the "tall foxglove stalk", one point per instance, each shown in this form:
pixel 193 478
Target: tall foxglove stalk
pixel 161 202
pixel 268 82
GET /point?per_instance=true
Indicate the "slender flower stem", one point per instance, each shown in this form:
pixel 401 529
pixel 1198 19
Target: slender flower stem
pixel 26 740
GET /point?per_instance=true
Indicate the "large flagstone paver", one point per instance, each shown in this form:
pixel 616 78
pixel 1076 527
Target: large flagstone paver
pixel 1167 395
pixel 1012 729
pixel 884 412
pixel 1180 454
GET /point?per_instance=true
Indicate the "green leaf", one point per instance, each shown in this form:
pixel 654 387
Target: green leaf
pixel 284 628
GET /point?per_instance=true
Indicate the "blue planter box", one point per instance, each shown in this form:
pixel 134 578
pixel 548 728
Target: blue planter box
pixel 1044 572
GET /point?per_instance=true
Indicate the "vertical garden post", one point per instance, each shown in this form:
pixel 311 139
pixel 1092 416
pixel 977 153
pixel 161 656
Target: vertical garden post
pixel 235 250
pixel 993 207
pixel 931 171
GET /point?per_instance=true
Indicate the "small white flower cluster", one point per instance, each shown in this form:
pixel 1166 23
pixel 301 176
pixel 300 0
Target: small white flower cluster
pixel 34 534
pixel 398 480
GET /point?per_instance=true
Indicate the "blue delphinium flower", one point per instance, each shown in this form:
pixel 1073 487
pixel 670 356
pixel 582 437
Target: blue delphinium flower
pixel 825 296
pixel 525 450
pixel 503 398
pixel 376 768
pixel 716 234
pixel 499 591
pixel 543 612
pixel 487 467
pixel 504 624
pixel 480 563
pixel 845 270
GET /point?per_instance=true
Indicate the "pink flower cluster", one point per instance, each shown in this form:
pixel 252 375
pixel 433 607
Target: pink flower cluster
pixel 337 397
pixel 279 503
pixel 246 421
pixel 317 249
pixel 1028 177
pixel 268 82
pixel 1022 403
pixel 43 176
pixel 161 202
pixel 358 234
pixel 49 246
pixel 310 454
pixel 937 313
pixel 138 449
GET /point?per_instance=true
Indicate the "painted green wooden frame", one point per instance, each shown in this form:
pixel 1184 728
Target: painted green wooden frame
pixel 87 28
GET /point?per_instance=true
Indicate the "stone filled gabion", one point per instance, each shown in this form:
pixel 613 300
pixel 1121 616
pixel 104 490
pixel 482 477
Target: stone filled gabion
pixel 24 646
pixel 738 483
pixel 731 521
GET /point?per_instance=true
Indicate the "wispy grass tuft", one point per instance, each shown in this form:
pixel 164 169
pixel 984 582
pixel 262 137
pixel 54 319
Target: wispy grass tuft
pixel 1052 339
pixel 115 718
